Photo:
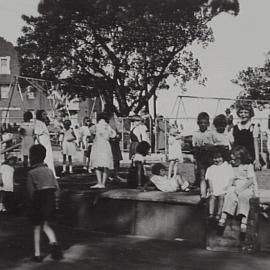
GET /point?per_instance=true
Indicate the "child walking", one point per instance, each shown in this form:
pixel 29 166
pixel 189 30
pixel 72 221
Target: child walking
pixel 219 176
pixel 68 145
pixel 202 141
pixel 175 149
pixel 6 180
pixel 241 189
pixel 41 187
pixel 166 183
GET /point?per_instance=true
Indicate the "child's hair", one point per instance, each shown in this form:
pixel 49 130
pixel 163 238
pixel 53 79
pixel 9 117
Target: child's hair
pixel 219 150
pixel 156 168
pixel 143 148
pixel 245 106
pixel 37 153
pixel 39 115
pixel 203 115
pixel 86 118
pixel 103 116
pixel 27 116
pixel 220 121
pixel 242 152
pixel 67 122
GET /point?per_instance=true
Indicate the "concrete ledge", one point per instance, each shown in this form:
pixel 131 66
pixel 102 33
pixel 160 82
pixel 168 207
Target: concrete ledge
pixel 152 196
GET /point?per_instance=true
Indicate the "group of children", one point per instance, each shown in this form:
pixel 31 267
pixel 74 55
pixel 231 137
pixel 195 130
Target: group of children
pixel 225 163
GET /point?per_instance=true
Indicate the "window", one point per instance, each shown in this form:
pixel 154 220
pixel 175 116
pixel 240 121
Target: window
pixel 4 89
pixel 5 65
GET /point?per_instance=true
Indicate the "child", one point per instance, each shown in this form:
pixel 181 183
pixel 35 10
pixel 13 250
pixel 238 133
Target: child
pixel 166 183
pixel 220 135
pixel 6 179
pixel 246 133
pixel 27 134
pixel 202 141
pixel 174 149
pixel 68 145
pixel 219 176
pixel 241 189
pixel 41 187
pixel 136 175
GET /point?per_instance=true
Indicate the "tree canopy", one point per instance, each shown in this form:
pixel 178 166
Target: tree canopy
pixel 124 50
pixel 255 81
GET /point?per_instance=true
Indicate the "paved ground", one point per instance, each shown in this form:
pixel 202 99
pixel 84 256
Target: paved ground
pixel 84 250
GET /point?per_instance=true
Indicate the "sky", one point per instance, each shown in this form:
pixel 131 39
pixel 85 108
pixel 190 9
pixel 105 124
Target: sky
pixel 240 41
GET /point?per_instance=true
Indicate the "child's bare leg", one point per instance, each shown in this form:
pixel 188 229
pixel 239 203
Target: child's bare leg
pixel 37 240
pixel 220 206
pixel 49 232
pixel 243 226
pixel 105 176
pixel 70 164
pixel 175 168
pixel 171 165
pixel 212 201
pixel 99 176
pixel 182 182
pixel 64 162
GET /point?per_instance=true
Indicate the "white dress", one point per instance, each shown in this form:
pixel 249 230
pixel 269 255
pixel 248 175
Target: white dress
pixel 43 137
pixel 101 153
pixel 68 147
pixel 27 137
pixel 7 177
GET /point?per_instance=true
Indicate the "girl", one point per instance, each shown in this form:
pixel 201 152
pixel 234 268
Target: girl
pixel 6 179
pixel 85 133
pixel 27 133
pixel 175 149
pixel 43 137
pixel 166 183
pixel 101 158
pixel 68 145
pixel 218 176
pixel 242 187
pixel 246 133
pixel 136 174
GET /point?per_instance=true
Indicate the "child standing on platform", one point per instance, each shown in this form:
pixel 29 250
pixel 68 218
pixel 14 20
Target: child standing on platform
pixel 219 176
pixel 6 179
pixel 242 187
pixel 166 183
pixel 175 149
pixel 68 145
pixel 246 133
pixel 41 187
pixel 202 141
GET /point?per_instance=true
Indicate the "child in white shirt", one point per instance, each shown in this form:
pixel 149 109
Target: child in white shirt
pixel 6 179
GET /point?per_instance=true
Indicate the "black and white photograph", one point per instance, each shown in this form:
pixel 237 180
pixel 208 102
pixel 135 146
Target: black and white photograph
pixel 134 134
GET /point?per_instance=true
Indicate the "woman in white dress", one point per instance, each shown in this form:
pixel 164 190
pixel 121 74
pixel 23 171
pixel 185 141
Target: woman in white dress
pixel 43 137
pixel 27 134
pixel 101 158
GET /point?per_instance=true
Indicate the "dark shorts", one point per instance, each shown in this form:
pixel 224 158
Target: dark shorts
pixel 43 206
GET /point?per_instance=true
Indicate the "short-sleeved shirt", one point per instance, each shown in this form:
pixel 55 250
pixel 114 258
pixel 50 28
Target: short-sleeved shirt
pixel 219 177
pixel 164 183
pixel 224 139
pixel 7 173
pixel 202 138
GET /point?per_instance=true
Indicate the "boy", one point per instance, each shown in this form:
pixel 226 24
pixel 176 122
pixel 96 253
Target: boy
pixel 41 187
pixel 202 141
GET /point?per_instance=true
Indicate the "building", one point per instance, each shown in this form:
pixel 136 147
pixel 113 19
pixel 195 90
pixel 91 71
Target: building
pixel 13 101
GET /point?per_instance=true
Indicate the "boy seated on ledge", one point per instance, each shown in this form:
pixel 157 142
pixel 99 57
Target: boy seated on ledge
pixel 162 182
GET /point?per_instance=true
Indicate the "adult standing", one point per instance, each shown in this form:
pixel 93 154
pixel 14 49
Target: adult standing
pixel 27 133
pixel 43 137
pixel 101 158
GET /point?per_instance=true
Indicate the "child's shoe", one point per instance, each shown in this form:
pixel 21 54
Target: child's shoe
pixel 221 227
pixel 56 251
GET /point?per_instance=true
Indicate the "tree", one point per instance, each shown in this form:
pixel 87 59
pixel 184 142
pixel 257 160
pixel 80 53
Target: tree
pixel 124 50
pixel 255 81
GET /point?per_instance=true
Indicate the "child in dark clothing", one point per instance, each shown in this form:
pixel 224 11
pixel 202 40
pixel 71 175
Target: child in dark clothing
pixel 41 187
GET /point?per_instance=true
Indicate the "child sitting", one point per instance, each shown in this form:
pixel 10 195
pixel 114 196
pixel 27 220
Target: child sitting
pixel 136 175
pixel 6 180
pixel 242 187
pixel 166 183
pixel 218 176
